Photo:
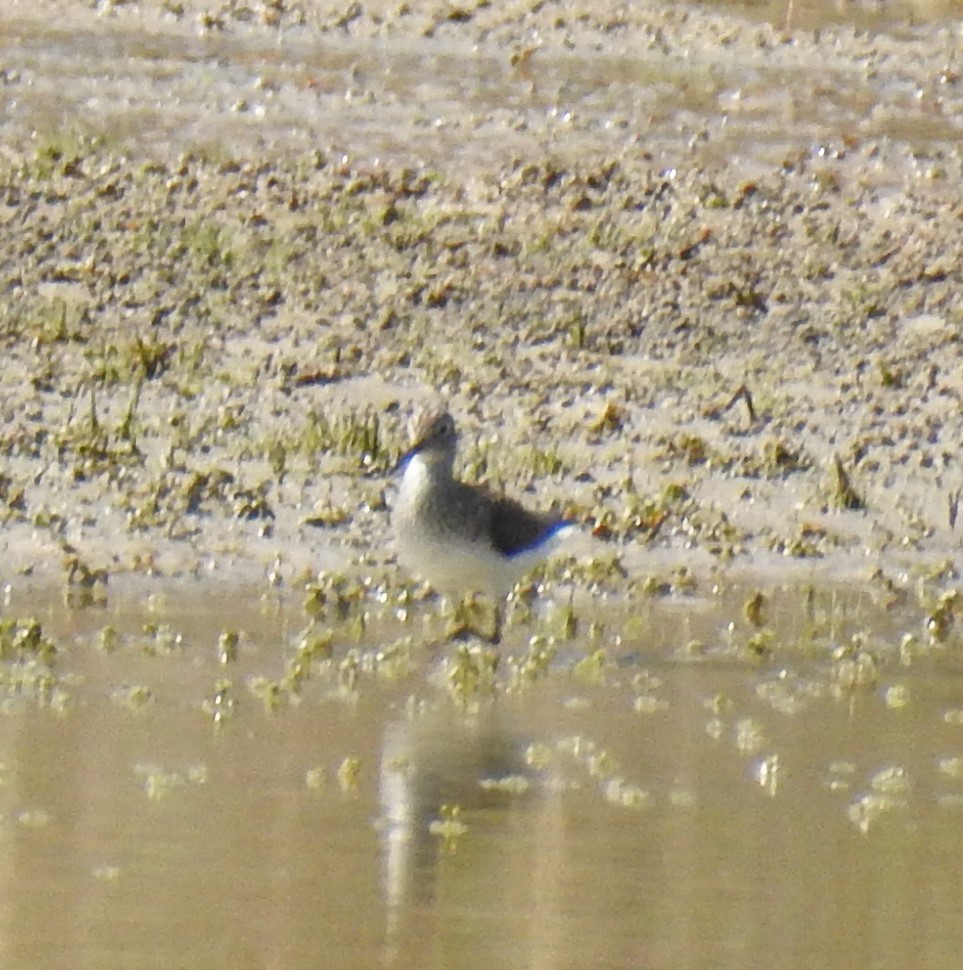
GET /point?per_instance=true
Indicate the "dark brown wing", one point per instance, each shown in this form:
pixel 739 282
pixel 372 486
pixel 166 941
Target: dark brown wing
pixel 515 530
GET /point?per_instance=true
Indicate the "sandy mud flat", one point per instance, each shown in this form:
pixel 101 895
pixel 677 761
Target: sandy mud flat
pixel 692 273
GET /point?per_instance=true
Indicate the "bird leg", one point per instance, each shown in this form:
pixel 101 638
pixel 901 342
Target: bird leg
pixel 498 621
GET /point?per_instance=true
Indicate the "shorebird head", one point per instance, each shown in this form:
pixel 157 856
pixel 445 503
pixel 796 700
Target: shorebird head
pixel 434 439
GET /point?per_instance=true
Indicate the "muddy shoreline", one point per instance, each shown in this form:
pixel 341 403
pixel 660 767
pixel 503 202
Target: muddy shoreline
pixel 233 273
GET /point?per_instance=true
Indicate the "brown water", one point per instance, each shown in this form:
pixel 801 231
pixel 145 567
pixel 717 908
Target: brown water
pixel 676 806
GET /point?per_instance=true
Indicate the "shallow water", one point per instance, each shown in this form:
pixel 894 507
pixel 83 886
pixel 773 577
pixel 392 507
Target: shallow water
pixel 675 805
pixel 159 86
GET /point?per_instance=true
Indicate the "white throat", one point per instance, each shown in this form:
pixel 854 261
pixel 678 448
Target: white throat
pixel 416 478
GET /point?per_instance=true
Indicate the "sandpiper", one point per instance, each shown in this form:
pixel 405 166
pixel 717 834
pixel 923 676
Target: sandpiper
pixel 461 538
